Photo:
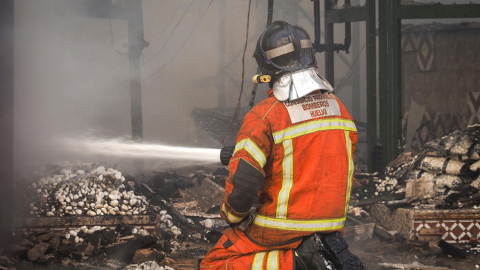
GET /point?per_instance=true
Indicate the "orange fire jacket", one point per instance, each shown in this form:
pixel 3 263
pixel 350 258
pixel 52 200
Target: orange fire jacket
pixel 296 159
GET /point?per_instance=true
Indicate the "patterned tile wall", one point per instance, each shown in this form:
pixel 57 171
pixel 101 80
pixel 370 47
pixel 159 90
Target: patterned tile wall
pixel 455 231
pixel 437 125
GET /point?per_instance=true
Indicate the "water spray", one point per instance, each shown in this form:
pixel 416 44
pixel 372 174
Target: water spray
pixel 125 149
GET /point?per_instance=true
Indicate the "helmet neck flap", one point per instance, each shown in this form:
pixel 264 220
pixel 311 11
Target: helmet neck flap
pixel 296 85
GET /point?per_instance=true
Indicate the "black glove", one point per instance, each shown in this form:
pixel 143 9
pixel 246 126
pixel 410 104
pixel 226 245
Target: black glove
pixel 310 255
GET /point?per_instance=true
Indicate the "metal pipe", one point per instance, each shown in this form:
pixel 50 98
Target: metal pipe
pixel 348 31
pixel 270 12
pixel 329 42
pixel 371 66
pixel 316 24
pixel 136 43
pixel 348 37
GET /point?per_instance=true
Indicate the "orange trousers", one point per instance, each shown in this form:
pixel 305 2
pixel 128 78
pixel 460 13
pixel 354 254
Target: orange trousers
pixel 236 251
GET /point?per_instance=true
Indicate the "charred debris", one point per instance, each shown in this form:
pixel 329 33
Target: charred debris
pixel 92 216
pixel 423 205
pixel 445 175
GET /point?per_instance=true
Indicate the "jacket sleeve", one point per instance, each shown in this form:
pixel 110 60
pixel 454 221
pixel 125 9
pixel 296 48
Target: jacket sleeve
pixel 246 174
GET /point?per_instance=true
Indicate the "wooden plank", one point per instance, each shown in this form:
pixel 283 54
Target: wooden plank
pixel 418 245
pixel 187 263
pixel 414 265
pixel 167 204
pixel 364 232
pixel 149 188
pixel 430 231
pixel 430 235
pixel 84 221
pixel 378 230
pixel 149 223
pixel 447 214
pixel 213 185
pixel 378 199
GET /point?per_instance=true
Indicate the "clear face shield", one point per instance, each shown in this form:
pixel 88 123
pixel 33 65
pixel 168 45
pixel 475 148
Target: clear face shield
pixel 296 85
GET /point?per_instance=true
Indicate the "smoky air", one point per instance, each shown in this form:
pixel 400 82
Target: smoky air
pixel 116 115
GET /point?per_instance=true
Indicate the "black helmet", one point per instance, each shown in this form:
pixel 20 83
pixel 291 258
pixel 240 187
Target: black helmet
pixel 284 48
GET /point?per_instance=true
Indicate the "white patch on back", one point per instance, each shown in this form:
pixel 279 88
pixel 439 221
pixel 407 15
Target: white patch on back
pixel 312 106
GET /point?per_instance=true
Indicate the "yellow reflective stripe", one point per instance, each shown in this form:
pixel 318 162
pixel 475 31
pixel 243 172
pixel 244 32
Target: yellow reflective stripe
pixel 313 126
pixel 232 218
pixel 252 149
pixel 299 225
pixel 272 261
pixel 287 180
pixel 258 261
pixel 348 142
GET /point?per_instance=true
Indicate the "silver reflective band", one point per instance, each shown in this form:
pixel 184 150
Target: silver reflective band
pixel 348 142
pixel 299 225
pixel 272 260
pixel 310 127
pixel 252 149
pixel 231 218
pixel 258 261
pixel 306 43
pixel 287 180
pixel 287 48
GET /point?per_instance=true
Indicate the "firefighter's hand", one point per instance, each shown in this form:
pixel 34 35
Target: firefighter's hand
pixel 243 225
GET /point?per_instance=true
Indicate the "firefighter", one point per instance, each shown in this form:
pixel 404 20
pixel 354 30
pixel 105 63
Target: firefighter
pixel 293 155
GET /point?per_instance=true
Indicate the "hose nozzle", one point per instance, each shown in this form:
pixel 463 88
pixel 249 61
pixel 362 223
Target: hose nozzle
pixel 226 154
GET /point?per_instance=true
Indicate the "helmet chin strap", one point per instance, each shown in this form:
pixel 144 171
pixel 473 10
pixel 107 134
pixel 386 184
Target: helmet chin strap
pixel 296 85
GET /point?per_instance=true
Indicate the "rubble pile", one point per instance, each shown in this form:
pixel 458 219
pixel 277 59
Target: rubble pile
pixel 367 186
pixel 445 175
pixel 97 245
pixel 151 265
pixel 180 208
pixel 447 170
pixel 76 190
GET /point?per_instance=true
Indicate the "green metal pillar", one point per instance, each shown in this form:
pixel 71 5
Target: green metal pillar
pixel 6 121
pixel 371 82
pixel 329 62
pixel 389 81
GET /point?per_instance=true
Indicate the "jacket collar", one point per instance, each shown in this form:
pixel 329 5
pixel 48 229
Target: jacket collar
pixel 270 92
